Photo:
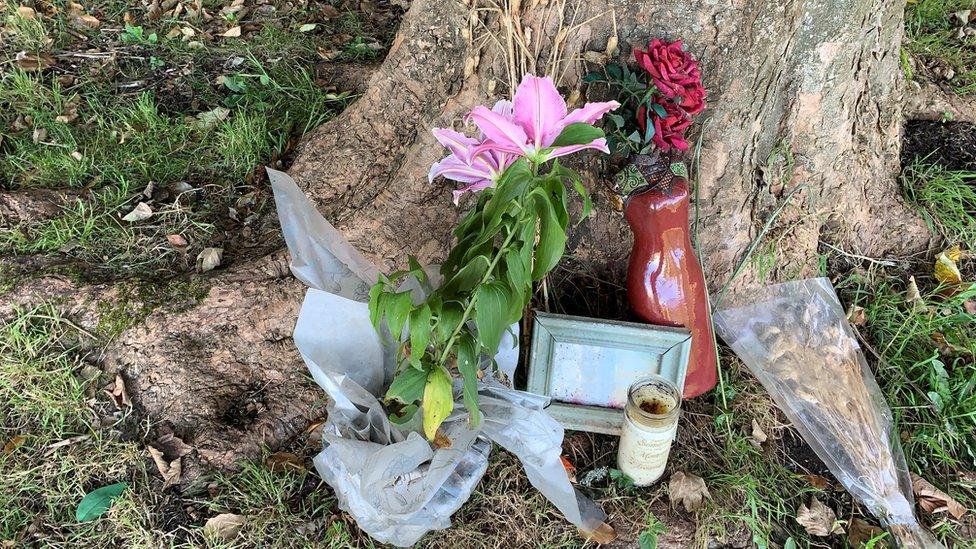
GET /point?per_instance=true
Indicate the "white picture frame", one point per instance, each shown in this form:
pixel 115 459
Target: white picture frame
pixel 585 365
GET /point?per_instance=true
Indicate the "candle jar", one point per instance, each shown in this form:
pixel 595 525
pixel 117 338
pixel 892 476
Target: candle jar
pixel 650 424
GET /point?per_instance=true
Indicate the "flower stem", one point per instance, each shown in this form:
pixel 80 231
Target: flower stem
pixel 474 296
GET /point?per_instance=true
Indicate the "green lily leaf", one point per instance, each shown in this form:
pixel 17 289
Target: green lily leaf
pixel 579 133
pixel 438 400
pixel 96 502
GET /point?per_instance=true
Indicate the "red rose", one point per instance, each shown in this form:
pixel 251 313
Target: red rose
pixel 669 131
pixel 674 72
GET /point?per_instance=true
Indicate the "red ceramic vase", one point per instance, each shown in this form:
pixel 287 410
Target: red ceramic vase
pixel 665 283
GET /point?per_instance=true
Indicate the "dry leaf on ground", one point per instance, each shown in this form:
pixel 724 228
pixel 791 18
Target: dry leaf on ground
pixel 857 316
pixel 817 519
pixel 141 212
pixel 118 393
pixel 226 526
pixel 946 348
pixel 860 532
pixel 946 270
pixel 13 444
pixel 209 258
pixel 934 500
pixel 26 12
pixel 441 440
pixel 758 435
pixel 177 240
pixel 89 21
pixel 285 461
pixel 689 490
pixel 171 471
pixel 232 32
pixel 32 62
pixel 817 481
pixel 915 297
pixel 211 118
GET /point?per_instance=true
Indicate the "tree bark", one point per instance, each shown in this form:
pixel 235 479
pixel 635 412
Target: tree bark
pixel 817 78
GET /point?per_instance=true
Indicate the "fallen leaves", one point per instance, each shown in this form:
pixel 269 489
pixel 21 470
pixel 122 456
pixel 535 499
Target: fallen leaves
pixel 817 481
pixel 89 21
pixel 689 490
pixel 14 443
pixel 933 500
pixel 118 393
pixel 914 297
pixel 34 62
pixel 284 461
pixel 141 212
pixel 946 269
pixel 225 526
pixel 233 32
pixel 857 316
pixel 860 532
pixel 171 471
pixel 758 435
pixel 211 118
pixel 209 258
pixel 817 519
pixel 26 12
pixel 177 241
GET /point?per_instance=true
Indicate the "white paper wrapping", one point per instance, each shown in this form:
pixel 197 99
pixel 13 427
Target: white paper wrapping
pixel 388 477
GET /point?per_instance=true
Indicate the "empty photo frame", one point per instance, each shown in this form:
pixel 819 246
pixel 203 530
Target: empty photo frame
pixel 585 365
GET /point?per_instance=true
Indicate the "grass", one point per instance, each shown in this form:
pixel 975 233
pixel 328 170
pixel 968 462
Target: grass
pixel 156 114
pixel 946 199
pixel 931 35
pixel 167 114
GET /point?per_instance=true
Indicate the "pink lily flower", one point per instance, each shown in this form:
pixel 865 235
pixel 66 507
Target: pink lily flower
pixel 477 163
pixel 538 116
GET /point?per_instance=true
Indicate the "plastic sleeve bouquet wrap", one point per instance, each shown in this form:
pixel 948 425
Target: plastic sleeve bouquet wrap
pixel 796 339
pixel 388 477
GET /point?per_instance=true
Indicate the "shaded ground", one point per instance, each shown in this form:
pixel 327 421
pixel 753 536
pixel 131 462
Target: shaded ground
pixel 141 98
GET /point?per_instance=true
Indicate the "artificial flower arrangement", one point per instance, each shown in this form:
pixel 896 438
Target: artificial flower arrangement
pixel 665 282
pixel 657 102
pixel 513 237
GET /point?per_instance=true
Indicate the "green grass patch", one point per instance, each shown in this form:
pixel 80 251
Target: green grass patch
pixel 118 146
pixel 47 400
pixel 931 35
pixel 946 199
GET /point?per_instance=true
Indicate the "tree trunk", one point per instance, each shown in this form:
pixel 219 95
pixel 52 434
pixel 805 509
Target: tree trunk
pixel 804 106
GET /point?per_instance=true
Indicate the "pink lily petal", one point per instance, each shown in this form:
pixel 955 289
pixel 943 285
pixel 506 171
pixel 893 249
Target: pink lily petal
pixel 492 148
pixel 458 143
pixel 598 144
pixel 505 108
pixel 453 168
pixel 472 187
pixel 588 114
pixel 538 107
pixel 506 134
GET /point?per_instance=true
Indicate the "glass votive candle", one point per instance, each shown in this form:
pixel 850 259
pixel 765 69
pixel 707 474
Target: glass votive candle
pixel 650 425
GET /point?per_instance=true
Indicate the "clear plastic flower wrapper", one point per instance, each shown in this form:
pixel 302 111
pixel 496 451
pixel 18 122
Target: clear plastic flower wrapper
pixel 388 477
pixel 796 339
